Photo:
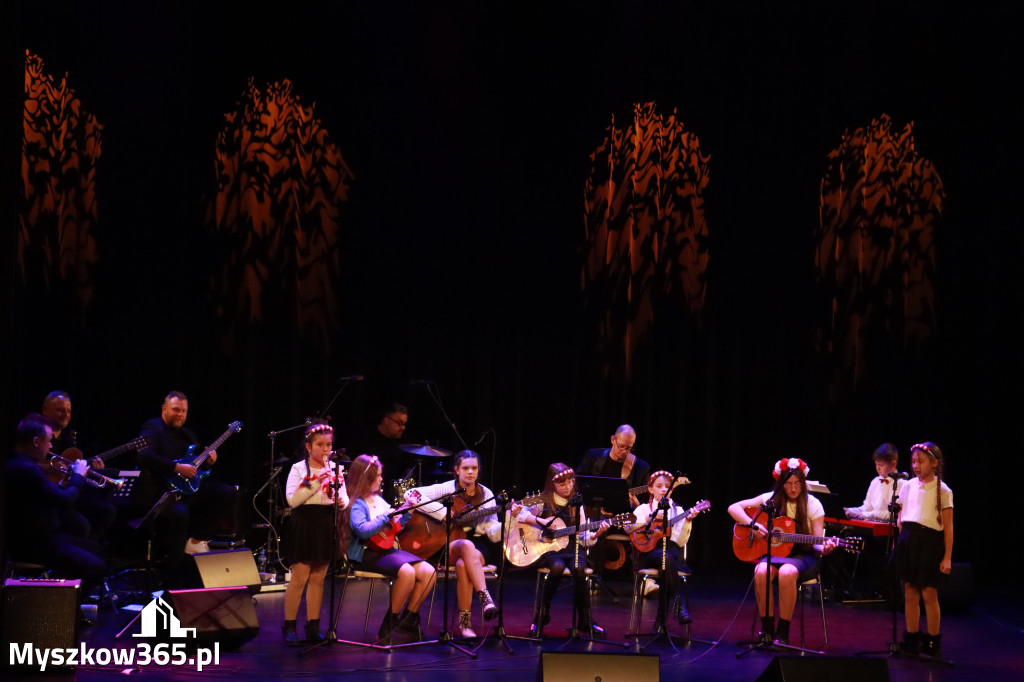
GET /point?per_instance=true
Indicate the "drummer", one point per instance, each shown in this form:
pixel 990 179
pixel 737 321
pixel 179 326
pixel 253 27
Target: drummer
pixel 385 440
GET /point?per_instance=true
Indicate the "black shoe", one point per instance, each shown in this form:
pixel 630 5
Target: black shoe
pixel 410 624
pixel 682 615
pixel 387 626
pixel 782 632
pixel 534 630
pixel 931 645
pixel 910 645
pixel 313 633
pixel 291 638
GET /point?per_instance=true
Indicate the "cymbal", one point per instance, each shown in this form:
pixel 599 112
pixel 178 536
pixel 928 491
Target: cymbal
pixel 424 450
pixel 280 461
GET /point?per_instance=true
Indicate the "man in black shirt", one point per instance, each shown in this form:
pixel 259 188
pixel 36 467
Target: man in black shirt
pixel 618 461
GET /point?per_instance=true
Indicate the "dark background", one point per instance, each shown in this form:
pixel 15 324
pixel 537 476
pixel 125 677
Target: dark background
pixel 468 127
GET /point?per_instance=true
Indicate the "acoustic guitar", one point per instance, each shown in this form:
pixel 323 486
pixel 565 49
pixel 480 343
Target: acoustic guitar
pixel 60 471
pixel 424 535
pixel 528 543
pixel 750 547
pixel 647 537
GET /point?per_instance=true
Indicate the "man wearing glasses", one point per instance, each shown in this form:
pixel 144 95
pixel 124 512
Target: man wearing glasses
pixel 618 461
pixel 384 439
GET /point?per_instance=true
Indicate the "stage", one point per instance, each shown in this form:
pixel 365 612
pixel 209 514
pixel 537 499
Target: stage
pixel 984 643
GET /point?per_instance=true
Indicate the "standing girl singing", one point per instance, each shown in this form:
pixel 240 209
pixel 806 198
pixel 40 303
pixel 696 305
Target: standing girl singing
pixel 924 549
pixel 315 491
pixel 367 517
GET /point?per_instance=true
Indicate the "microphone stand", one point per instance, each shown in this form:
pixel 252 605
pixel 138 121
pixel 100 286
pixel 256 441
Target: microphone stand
pixel 499 629
pixel 331 637
pixel 443 637
pixel 575 631
pixel 436 397
pixel 274 497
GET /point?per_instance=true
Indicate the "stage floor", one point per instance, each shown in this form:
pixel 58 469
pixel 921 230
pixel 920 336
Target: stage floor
pixel 987 642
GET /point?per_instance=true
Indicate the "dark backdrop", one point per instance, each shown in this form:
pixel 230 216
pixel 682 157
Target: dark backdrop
pixel 468 127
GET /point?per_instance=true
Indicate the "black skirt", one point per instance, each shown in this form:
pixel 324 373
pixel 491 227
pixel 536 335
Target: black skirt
pixel 919 552
pixel 310 534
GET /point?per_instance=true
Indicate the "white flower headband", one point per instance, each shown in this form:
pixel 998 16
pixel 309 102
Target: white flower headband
pixel 788 464
pixel 562 475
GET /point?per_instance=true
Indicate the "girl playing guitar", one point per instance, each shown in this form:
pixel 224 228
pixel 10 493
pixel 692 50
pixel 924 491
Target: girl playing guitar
pixel 788 498
pixel 367 514
pixel 464 553
pixel 658 485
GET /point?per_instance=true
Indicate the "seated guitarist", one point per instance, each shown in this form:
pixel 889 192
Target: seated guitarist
pixel 788 498
pixel 465 553
pixel 362 523
pixel 658 486
pixel 168 440
pixel 559 489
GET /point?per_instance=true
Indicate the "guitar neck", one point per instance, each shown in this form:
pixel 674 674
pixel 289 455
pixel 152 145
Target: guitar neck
pixel 562 532
pixel 798 538
pixel 120 449
pixel 211 447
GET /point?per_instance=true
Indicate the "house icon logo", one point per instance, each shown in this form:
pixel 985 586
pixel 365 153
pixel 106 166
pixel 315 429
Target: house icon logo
pixel 158 619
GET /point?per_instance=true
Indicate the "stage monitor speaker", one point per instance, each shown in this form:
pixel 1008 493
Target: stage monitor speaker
pixel 228 568
pixel 579 667
pixel 226 614
pixel 40 612
pixel 838 669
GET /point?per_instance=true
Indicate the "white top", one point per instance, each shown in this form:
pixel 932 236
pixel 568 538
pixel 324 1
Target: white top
pixel 298 494
pixel 487 525
pixel 876 502
pixel 680 532
pixel 918 500
pixel 814 508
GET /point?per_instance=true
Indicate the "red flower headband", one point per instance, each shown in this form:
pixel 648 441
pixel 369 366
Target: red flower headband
pixel 654 476
pixel 788 464
pixel 562 475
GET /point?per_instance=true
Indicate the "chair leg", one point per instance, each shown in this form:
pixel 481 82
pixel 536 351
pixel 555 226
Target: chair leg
pixel 821 601
pixel 369 598
pixel 637 582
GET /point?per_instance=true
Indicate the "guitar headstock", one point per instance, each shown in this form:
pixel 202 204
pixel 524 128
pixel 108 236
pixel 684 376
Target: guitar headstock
pixel 626 519
pixel 699 508
pixel 853 545
pixel 138 443
pixel 531 499
pixel 235 426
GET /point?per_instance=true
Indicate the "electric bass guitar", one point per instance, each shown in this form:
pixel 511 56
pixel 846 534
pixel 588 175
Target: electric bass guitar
pixel 649 535
pixel 424 535
pixel 189 486
pixel 750 547
pixel 384 539
pixel 528 543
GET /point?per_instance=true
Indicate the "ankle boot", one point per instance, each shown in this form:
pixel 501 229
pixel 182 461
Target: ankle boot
pixel 291 638
pixel 313 633
pixel 409 623
pixel 911 643
pixel 931 645
pixel 767 633
pixel 541 617
pixel 490 611
pixel 682 614
pixel 465 627
pixel 387 626
pixel 782 632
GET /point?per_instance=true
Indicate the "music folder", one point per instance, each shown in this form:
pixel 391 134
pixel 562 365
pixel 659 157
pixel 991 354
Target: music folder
pixel 610 494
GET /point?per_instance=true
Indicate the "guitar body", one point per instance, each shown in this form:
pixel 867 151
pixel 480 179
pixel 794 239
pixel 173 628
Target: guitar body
pixel 188 486
pixel 645 539
pixel 424 535
pixel 384 539
pixel 527 544
pixel 749 547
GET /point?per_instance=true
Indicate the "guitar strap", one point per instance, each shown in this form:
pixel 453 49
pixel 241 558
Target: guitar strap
pixel 627 466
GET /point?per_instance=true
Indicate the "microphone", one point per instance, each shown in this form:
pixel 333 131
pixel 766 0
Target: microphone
pixel 899 476
pixel 427 382
pixel 352 377
pixel 479 440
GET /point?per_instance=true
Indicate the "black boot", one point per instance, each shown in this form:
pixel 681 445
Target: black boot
pixel 540 619
pixel 291 638
pixel 782 632
pixel 931 645
pixel 313 633
pixel 911 643
pixel 767 634
pixel 586 625
pixel 409 623
pixel 679 607
pixel 388 624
